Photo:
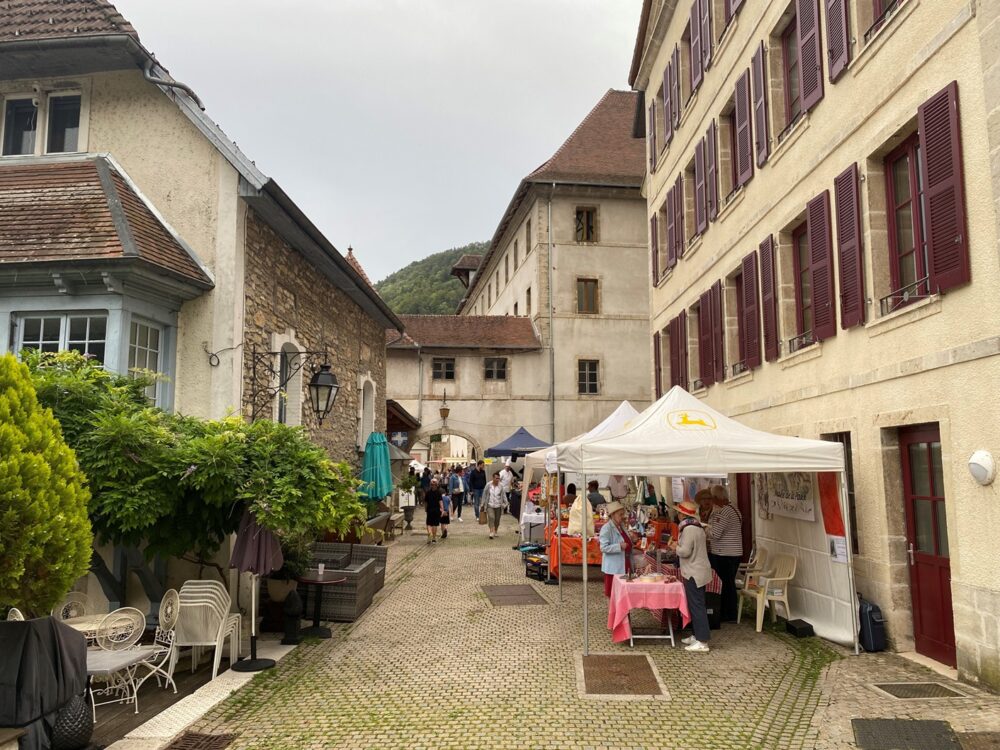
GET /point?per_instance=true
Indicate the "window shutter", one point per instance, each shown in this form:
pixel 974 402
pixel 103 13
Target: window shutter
pixel 744 137
pixel 668 124
pixel 674 353
pixel 736 5
pixel 706 352
pixel 763 140
pixel 751 314
pixel 769 299
pixel 712 172
pixel 838 37
pixel 654 247
pixel 682 350
pixel 810 54
pixel 675 75
pixel 728 10
pixel 850 255
pixel 700 214
pixel 694 47
pixel 679 216
pixel 821 266
pixel 671 230
pixel 657 365
pixel 706 34
pixel 941 150
pixel 651 136
pixel 718 322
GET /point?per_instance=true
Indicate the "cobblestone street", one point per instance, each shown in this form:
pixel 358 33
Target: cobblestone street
pixel 432 664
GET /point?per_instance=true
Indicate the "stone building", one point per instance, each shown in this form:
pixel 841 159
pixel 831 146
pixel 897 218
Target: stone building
pixel 133 229
pixel 575 226
pixel 822 193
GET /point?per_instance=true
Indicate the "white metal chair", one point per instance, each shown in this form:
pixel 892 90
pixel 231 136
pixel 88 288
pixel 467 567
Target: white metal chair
pixel 770 588
pixel 14 614
pixel 162 655
pixel 73 605
pixel 204 620
pixel 115 660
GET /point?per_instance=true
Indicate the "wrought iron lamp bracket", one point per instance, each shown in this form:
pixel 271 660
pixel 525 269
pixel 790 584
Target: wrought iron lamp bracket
pixel 265 369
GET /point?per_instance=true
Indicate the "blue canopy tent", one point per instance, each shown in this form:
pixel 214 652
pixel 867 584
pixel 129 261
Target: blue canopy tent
pixel 517 445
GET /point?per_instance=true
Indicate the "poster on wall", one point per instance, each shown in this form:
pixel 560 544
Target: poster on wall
pixel 677 489
pixel 838 548
pixel 791 495
pixel 762 497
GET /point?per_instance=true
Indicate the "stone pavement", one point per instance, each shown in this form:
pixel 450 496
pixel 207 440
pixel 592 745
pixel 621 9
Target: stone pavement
pixel 432 664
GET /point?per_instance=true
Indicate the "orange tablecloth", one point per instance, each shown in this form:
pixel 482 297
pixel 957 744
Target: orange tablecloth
pixel 571 550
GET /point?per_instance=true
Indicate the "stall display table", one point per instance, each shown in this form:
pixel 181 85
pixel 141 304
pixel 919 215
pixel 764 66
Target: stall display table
pixel 670 570
pixel 629 595
pixel 533 526
pixel 661 528
pixel 569 550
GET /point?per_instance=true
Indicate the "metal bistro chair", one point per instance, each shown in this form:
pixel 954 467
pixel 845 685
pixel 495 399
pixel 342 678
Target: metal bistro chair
pixel 115 660
pixel 161 657
pixel 14 614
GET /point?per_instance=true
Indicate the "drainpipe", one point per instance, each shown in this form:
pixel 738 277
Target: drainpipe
pixel 147 73
pixel 420 387
pixel 552 333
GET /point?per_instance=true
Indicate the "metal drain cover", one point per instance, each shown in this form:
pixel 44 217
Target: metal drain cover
pixel 918 690
pixel 980 740
pixel 510 596
pixel 904 734
pixel 614 674
pixel 196 741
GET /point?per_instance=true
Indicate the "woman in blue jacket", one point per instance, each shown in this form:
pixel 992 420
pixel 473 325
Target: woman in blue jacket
pixel 616 546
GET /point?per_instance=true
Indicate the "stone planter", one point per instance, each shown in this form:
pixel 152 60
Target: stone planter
pixel 408 516
pixel 277 590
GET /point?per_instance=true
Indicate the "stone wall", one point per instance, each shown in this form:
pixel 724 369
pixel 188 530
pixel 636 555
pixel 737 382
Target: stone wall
pixel 288 299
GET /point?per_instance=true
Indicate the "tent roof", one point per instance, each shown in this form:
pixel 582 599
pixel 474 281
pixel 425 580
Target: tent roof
pixel 518 444
pixel 681 436
pixel 611 423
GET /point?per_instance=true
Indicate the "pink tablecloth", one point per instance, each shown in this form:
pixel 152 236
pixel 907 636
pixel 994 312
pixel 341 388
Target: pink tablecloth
pixel 629 595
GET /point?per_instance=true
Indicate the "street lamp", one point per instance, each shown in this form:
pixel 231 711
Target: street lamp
pixel 323 388
pixel 445 410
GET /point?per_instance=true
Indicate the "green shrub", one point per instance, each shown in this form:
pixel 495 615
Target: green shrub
pixel 45 534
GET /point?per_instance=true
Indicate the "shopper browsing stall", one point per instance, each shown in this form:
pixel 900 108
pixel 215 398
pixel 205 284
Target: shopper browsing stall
pixel 725 539
pixel 696 572
pixel 616 546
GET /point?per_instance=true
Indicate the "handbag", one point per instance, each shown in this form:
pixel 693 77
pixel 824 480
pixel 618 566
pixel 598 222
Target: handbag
pixel 482 515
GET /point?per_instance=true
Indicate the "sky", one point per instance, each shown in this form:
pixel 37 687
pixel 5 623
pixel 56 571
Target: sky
pixel 401 127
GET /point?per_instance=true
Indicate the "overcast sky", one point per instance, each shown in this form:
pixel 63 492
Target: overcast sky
pixel 401 127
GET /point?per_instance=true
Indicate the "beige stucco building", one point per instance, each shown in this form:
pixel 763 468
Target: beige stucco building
pixel 823 186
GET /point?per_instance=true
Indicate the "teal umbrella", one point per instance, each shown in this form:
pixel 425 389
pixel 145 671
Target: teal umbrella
pixel 376 476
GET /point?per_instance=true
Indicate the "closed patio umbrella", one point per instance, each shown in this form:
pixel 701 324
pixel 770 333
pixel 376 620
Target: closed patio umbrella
pixel 376 476
pixel 257 551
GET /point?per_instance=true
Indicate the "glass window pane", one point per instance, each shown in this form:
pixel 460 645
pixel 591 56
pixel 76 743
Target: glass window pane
pixel 20 120
pixel 50 330
pixel 96 351
pixel 154 339
pixel 942 530
pixel 907 270
pixel 64 124
pixel 901 180
pixel 919 470
pixel 904 229
pixel 77 329
pixel 937 470
pixel 923 523
pixel 133 334
pixel 98 328
pixel 32 329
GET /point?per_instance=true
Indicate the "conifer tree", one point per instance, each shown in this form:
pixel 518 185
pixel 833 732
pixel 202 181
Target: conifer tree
pixel 45 536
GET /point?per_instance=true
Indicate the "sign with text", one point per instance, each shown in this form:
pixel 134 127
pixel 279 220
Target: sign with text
pixel 791 495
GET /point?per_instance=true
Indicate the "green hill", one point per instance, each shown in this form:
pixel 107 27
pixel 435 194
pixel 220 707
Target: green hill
pixel 425 287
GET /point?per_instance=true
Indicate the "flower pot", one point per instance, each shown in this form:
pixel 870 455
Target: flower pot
pixel 278 590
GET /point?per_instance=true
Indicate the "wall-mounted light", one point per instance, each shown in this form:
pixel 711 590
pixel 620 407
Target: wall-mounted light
pixel 982 467
pixel 445 410
pixel 323 388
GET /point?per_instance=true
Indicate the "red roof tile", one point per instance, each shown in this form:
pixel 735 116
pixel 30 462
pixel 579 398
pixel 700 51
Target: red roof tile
pixel 356 265
pixel 467 263
pixel 52 19
pixel 465 332
pixel 67 211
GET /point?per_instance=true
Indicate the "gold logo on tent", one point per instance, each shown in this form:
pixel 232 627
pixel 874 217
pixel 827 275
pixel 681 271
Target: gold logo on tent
pixel 690 420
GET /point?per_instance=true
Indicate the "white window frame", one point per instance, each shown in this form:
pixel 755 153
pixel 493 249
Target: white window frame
pixel 64 318
pixel 156 396
pixel 42 128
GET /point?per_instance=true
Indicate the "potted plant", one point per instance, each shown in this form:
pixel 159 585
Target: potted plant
pixel 297 553
pixel 407 497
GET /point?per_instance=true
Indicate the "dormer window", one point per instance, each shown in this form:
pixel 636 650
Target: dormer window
pixel 64 124
pixel 59 120
pixel 19 125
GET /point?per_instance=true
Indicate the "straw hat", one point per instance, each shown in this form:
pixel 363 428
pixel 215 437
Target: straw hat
pixel 611 508
pixel 687 508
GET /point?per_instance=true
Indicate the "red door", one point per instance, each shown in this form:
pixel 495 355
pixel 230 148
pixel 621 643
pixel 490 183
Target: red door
pixel 744 502
pixel 927 542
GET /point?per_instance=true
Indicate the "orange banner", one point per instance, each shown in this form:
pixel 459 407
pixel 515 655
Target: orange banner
pixel 829 498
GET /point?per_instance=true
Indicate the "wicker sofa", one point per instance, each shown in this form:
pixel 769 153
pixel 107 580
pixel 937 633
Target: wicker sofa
pixel 346 601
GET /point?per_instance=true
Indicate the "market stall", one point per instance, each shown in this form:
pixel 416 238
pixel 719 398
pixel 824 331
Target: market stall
pixel 519 444
pixel 568 550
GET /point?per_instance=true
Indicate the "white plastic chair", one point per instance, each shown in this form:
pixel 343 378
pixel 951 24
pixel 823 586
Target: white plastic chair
pixel 749 570
pixel 204 620
pixel 769 589
pixel 14 614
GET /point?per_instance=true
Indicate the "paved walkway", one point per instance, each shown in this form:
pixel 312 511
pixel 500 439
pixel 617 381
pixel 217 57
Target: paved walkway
pixel 432 664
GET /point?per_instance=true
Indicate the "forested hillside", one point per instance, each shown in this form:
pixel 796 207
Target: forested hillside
pixel 425 287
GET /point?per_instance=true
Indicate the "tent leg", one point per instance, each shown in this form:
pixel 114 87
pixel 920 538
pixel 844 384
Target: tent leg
pixel 559 531
pixel 586 541
pixel 845 511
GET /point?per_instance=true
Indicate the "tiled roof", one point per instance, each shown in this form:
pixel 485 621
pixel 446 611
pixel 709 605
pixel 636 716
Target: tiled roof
pixel 468 263
pixel 84 210
pixel 466 332
pixel 356 265
pixel 53 19
pixel 601 150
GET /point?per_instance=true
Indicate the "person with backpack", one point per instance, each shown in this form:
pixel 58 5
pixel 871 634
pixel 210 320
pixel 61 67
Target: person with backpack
pixel 477 483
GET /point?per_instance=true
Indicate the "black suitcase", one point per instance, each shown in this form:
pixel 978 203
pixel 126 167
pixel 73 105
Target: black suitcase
pixel 872 635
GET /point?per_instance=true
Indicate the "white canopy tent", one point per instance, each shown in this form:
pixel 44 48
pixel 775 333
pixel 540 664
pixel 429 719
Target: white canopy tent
pixel 680 436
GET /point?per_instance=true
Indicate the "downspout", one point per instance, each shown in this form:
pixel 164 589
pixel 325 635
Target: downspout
pixel 420 386
pixel 552 349
pixel 147 73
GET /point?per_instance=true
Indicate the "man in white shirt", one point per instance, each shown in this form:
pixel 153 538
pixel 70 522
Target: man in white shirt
pixel 506 479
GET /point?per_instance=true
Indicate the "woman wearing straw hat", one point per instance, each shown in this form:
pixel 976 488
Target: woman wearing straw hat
pixel 616 546
pixel 695 572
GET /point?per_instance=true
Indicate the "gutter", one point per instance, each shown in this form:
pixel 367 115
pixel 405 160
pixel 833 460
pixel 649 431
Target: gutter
pixel 147 73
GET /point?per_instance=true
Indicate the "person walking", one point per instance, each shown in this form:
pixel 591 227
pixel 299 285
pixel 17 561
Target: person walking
pixel 477 483
pixel 433 505
pixel 725 544
pixel 456 486
pixel 695 573
pixel 496 501
pixel 506 479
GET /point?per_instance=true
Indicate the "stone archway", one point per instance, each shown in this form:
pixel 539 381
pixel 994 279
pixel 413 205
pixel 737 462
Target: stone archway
pixel 425 437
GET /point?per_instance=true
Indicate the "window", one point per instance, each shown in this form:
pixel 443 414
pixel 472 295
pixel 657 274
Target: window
pixel 528 244
pixel 52 333
pixel 801 260
pixel 43 334
pixel 586 225
pixel 882 12
pixel 790 70
pixel 588 381
pixel 515 255
pixel 20 124
pixel 586 296
pixel 904 179
pixel 496 368
pixel 844 438
pixel 64 124
pixel 144 352
pixel 527 302
pixel 506 269
pixel 515 309
pixel 489 294
pixel 498 282
pixel 443 368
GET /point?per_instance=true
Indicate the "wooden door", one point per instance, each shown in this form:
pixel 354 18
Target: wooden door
pixel 927 542
pixel 744 502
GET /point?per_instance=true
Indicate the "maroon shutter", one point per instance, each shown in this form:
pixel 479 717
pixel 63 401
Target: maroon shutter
pixel 675 80
pixel 682 350
pixel 941 150
pixel 762 140
pixel 700 214
pixel 674 355
pixel 751 314
pixel 694 47
pixel 769 300
pixel 728 10
pixel 671 230
pixel 657 365
pixel 736 5
pixel 810 53
pixel 706 34
pixel 668 124
pixel 654 247
pixel 850 256
pixel 651 136
pixel 838 37
pixel 718 323
pixel 706 352
pixel 744 137
pixel 679 216
pixel 712 172
pixel 821 266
